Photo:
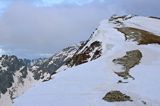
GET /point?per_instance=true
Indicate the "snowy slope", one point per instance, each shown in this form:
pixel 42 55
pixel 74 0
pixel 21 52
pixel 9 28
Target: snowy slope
pixel 87 84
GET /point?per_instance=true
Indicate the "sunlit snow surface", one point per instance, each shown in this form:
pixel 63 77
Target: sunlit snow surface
pixel 86 85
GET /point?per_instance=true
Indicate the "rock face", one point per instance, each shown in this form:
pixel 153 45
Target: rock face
pixel 86 53
pixel 154 17
pixel 131 59
pixel 128 61
pixel 9 65
pixel 140 36
pixel 116 96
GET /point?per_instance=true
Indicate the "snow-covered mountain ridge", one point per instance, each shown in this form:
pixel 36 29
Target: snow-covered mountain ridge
pixel 17 75
pixel 124 71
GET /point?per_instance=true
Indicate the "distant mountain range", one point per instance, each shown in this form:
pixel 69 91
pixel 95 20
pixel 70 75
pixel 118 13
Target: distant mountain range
pixel 16 75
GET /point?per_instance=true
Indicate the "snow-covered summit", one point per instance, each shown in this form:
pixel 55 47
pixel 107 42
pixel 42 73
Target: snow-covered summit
pixel 125 70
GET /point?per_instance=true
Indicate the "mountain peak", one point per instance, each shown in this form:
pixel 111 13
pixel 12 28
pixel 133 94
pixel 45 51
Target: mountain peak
pixel 110 68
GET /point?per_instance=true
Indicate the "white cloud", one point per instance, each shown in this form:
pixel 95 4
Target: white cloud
pixel 48 3
pixel 47 30
pixel 29 31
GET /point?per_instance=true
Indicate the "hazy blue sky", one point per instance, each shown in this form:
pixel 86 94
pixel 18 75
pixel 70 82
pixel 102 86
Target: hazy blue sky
pixel 35 28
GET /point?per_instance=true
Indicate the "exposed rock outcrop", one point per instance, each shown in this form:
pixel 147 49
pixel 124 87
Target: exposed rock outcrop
pixel 116 96
pixel 128 61
pixel 140 36
pixel 88 53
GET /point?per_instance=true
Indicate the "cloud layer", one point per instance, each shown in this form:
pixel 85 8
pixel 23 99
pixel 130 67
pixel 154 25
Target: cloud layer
pixel 32 28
